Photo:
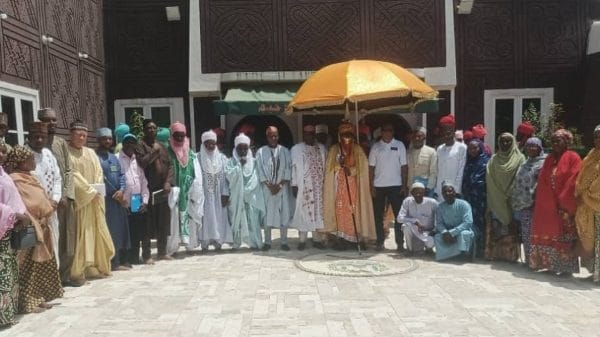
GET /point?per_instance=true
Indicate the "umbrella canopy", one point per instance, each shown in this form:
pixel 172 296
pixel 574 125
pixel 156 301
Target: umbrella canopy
pixel 367 84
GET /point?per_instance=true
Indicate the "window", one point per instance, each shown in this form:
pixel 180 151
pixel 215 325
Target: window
pixel 504 108
pixel 163 111
pixel 20 104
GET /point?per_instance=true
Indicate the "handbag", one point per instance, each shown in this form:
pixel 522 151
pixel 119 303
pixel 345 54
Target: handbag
pixel 24 238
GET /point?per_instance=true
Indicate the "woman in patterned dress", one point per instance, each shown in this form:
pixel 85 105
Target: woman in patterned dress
pixel 587 218
pixel 524 190
pixel 12 215
pixel 39 281
pixel 553 231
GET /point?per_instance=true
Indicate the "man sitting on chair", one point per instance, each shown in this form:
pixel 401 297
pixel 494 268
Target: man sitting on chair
pixel 417 216
pixel 454 221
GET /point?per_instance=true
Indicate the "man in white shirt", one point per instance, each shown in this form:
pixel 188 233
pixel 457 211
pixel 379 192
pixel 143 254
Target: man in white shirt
pixel 417 217
pixel 388 172
pixel 451 157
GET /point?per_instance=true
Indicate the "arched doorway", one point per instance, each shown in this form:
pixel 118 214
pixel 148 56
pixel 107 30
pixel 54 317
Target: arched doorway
pixel 260 124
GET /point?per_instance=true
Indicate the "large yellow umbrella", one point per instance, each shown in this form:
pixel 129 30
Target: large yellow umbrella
pixel 365 85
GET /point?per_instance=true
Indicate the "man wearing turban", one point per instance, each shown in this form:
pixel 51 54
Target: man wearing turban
pixel 246 201
pixel 347 191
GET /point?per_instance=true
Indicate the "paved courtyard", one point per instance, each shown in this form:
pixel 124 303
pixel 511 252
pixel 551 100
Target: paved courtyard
pixel 248 293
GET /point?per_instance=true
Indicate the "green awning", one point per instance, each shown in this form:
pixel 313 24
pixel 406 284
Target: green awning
pixel 256 100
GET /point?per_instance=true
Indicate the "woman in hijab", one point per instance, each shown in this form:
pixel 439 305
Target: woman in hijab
pixel 524 190
pixel 502 241
pixel 39 282
pixel 587 218
pixel 553 231
pixel 473 188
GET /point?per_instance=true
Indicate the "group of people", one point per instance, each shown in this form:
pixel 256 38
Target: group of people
pixel 92 210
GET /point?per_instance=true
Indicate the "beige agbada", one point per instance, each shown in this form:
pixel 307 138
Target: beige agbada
pixel 363 204
pixel 94 248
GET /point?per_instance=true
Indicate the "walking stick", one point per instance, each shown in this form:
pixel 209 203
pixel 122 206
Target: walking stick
pixel 351 206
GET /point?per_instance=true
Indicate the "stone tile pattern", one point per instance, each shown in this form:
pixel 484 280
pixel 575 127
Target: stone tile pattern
pixel 248 293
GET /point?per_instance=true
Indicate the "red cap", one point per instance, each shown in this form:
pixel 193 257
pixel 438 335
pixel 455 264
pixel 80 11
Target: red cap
pixel 447 120
pixel 467 136
pixel 247 129
pixel 526 129
pixel 479 131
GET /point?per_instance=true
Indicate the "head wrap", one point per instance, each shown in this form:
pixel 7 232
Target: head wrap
pixel 181 149
pixel 162 136
pixel 566 135
pixel 129 136
pixel 219 131
pixel 526 129
pixel 308 128
pixel 422 130
pixel 38 127
pixel 3 118
pixel 479 131
pixel 247 129
pixel 345 127
pixel 467 136
pixel 447 120
pixel 321 128
pixel 241 139
pixel 45 111
pixel 104 132
pixel 16 156
pixel 78 125
pixel 535 141
pixel 120 131
pixel 209 135
pixel 417 185
pixel 458 134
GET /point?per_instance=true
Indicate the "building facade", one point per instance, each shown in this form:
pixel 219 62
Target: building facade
pixel 52 55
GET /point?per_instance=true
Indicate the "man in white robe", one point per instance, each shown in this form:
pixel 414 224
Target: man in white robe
pixel 451 158
pixel 215 229
pixel 274 165
pixel 47 173
pixel 417 216
pixel 308 168
pixel 246 202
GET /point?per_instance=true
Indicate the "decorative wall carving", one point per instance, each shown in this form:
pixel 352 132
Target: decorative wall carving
pixel 93 104
pixel 55 68
pixel 64 89
pixel 507 44
pixel 274 35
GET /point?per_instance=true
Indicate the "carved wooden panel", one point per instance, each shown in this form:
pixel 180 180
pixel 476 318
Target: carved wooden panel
pixel 267 35
pixel 91 29
pixel 64 88
pixel 242 35
pixel 62 22
pixel 506 44
pixel 93 101
pixel 21 60
pixel 320 32
pixel 24 11
pixel 402 31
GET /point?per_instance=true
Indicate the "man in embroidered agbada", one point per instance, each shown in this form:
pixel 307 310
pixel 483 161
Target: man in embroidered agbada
pixel 308 167
pixel 116 211
pixel 246 202
pixel 94 247
pixel 347 170
pixel 275 172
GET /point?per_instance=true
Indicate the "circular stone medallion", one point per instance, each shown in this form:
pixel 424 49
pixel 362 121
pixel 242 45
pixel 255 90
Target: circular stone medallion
pixel 354 265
